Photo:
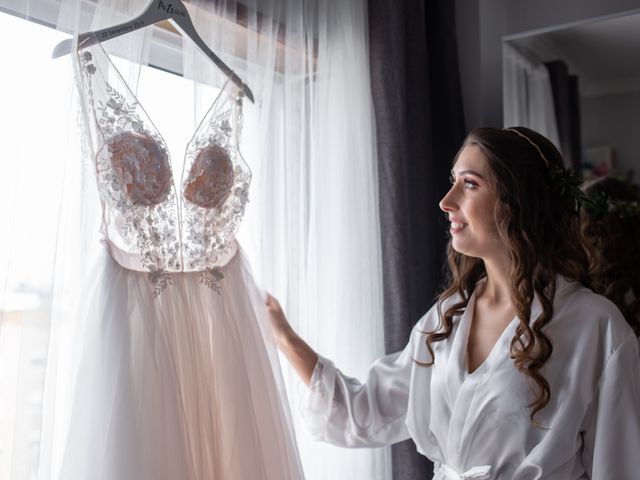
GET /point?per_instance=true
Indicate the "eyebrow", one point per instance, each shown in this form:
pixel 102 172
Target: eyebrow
pixel 467 172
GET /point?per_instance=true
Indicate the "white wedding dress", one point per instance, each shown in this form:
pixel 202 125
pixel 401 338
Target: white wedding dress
pixel 179 378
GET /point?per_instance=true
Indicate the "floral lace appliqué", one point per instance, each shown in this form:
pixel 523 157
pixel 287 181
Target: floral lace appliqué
pixel 211 277
pixel 211 216
pixel 134 177
pixel 168 233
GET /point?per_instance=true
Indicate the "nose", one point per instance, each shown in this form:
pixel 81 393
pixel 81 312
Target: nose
pixel 448 203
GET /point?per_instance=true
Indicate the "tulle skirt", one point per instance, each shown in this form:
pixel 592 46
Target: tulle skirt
pixel 183 386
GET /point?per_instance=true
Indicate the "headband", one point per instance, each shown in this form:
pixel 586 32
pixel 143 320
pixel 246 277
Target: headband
pixel 565 182
pixel 533 144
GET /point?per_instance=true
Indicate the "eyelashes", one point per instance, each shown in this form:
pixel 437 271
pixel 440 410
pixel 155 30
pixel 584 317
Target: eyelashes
pixel 468 183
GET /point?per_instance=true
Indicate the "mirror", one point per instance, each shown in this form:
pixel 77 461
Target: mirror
pixel 580 86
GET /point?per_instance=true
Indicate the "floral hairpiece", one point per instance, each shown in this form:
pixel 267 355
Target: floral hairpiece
pixel 601 205
pixel 565 181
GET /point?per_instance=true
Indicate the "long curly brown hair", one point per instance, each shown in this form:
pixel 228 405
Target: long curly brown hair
pixel 540 229
pixel 615 234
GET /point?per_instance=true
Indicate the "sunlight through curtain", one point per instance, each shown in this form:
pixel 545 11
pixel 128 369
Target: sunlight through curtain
pixel 311 229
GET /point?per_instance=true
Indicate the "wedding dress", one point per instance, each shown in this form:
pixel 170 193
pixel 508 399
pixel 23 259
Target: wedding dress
pixel 179 378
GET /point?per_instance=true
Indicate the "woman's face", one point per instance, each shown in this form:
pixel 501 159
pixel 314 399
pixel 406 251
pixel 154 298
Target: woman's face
pixel 470 205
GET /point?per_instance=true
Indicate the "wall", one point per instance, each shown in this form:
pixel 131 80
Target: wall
pixel 614 120
pixel 481 25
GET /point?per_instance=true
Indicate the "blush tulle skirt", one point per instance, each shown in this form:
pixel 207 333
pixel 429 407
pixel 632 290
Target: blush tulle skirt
pixel 185 386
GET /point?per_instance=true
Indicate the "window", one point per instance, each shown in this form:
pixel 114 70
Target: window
pixel 38 148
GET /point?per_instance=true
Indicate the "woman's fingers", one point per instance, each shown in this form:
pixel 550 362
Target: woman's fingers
pixel 278 318
pixel 270 299
pixel 272 302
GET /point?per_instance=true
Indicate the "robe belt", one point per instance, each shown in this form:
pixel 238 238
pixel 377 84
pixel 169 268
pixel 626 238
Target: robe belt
pixel 476 473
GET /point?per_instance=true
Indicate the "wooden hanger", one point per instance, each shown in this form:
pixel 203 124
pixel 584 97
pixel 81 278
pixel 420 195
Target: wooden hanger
pixel 156 11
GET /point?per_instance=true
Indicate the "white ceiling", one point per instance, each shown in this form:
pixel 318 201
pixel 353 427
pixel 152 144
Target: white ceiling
pixel 604 54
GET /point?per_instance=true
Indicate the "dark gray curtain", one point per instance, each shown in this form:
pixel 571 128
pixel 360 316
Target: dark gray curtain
pixel 566 102
pixel 420 126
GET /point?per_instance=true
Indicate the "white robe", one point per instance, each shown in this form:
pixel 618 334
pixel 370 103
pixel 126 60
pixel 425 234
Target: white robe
pixel 477 425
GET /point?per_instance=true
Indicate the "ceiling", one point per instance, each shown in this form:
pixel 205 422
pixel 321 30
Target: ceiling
pixel 605 54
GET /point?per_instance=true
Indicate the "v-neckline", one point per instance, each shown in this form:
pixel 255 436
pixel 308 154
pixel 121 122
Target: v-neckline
pixel 157 131
pixel 487 360
pixel 465 326
pixel 457 372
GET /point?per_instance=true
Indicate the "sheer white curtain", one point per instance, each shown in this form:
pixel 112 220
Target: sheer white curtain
pixel 40 206
pixel 527 94
pixel 311 229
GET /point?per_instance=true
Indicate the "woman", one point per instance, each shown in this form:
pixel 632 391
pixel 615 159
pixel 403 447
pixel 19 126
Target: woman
pixel 518 371
pixel 611 221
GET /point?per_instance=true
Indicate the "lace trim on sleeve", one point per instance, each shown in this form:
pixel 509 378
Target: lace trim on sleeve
pixel 317 399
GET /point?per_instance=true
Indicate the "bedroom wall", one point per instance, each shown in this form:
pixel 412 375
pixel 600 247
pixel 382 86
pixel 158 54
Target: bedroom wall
pixel 481 25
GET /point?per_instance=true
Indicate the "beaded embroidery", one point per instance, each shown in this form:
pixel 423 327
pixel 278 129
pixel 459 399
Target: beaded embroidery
pixel 172 233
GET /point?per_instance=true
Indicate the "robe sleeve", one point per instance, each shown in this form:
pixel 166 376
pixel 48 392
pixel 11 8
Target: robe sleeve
pixel 611 447
pixel 342 411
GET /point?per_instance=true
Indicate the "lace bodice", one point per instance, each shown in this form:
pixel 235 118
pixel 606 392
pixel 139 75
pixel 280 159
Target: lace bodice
pixel 150 224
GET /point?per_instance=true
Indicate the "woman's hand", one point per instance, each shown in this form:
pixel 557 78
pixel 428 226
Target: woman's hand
pixel 280 328
pixel 300 355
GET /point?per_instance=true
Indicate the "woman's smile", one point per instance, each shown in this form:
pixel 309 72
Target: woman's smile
pixel 470 206
pixel 456 225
